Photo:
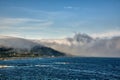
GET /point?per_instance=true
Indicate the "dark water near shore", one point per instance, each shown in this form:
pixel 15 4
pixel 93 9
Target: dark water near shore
pixel 66 68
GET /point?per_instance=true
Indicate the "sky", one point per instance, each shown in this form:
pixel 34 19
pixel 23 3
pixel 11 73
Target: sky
pixel 43 19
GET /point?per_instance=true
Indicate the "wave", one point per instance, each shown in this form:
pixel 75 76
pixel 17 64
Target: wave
pixel 5 66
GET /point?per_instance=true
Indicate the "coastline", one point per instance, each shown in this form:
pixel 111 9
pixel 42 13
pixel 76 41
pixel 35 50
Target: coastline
pixel 27 57
pixel 15 58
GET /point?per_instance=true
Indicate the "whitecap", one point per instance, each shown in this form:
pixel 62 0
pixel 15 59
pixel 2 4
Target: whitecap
pixel 61 63
pixel 5 66
pixel 42 65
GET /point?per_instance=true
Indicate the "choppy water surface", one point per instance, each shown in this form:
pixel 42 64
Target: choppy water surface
pixel 66 68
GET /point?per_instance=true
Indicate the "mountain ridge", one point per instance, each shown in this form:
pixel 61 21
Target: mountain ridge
pixel 19 47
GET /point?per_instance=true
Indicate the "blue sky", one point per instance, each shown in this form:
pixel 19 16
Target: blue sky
pixel 58 18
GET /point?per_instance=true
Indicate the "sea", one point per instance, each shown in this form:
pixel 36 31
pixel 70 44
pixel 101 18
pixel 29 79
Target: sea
pixel 61 68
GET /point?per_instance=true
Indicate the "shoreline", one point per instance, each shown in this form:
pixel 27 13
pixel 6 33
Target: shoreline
pixel 15 58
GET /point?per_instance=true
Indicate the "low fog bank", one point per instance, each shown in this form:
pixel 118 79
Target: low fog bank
pixel 85 45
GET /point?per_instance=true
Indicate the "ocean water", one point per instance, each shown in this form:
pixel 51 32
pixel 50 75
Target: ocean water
pixel 63 68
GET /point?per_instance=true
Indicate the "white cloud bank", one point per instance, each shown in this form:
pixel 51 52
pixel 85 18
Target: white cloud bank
pixel 82 45
pixel 85 45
